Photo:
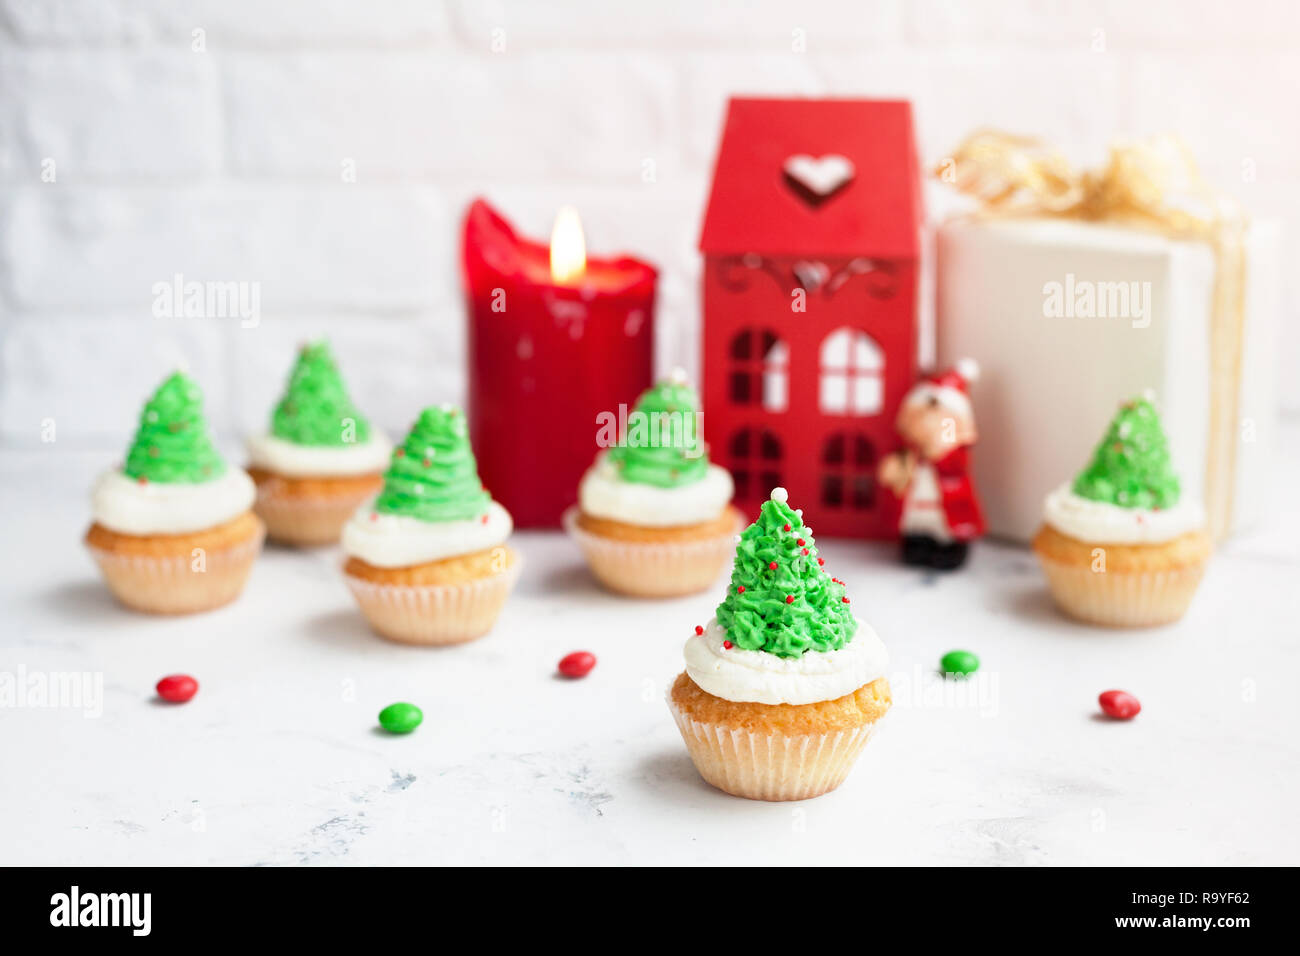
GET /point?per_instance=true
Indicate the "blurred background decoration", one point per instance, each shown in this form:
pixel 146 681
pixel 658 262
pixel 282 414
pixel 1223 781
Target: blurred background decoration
pixel 327 150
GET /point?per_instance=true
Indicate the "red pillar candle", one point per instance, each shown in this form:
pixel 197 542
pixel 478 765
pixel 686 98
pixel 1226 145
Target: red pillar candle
pixel 554 339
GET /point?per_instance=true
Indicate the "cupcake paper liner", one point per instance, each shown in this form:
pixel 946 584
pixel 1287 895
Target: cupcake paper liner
pixel 435 614
pixel 1122 598
pixel 306 522
pixel 170 585
pixel 771 766
pixel 653 569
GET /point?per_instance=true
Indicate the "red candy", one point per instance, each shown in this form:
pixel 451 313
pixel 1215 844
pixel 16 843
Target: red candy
pixel 845 600
pixel 772 566
pixel 177 688
pixel 740 589
pixel 1119 704
pixel 821 562
pixel 800 542
pixel 785 528
pixel 577 664
pixel 698 629
pixel 789 599
pixel 728 645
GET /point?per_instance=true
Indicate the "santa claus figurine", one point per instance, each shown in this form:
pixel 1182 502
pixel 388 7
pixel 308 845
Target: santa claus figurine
pixel 939 514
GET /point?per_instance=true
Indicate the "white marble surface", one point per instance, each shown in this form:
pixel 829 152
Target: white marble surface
pixel 278 759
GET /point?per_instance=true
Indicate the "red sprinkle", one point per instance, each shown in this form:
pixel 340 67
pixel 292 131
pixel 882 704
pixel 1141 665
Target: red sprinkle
pixel 177 688
pixel 740 589
pixel 1119 704
pixel 805 550
pixel 698 629
pixel 845 600
pixel 789 599
pixel 577 664
pixel 785 527
pixel 820 562
pixel 728 645
pixel 772 566
pixel 801 542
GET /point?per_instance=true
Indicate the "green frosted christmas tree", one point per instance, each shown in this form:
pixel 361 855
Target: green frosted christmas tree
pixel 663 446
pixel 433 475
pixel 1131 466
pixel 780 600
pixel 316 409
pixel 172 444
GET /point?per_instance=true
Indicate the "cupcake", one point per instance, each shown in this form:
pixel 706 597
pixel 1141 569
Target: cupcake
pixel 173 532
pixel 654 516
pixel 320 460
pixel 1121 545
pixel 784 686
pixel 427 560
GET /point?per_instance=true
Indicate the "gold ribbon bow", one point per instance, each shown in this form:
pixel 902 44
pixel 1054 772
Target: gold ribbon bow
pixel 1152 185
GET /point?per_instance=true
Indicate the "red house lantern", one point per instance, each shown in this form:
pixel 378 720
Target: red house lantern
pixel 811 244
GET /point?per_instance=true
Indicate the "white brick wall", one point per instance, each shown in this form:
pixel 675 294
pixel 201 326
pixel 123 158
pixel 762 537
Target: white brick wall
pixel 209 138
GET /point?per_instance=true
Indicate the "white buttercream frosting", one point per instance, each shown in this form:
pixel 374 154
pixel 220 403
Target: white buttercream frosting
pixel 399 541
pixel 320 461
pixel 756 676
pixel 1099 522
pixel 603 494
pixel 127 506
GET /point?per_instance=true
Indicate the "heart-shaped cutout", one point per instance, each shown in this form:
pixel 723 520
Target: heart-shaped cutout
pixel 816 179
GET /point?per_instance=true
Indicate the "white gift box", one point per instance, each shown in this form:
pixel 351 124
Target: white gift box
pixel 1067 319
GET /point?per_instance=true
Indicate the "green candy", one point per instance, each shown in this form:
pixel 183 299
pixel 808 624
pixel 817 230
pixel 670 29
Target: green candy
pixel 400 718
pixel 959 664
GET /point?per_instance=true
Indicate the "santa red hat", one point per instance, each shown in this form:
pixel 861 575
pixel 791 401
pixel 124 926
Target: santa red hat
pixel 951 388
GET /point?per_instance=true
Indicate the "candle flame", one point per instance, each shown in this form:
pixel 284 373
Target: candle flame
pixel 568 247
